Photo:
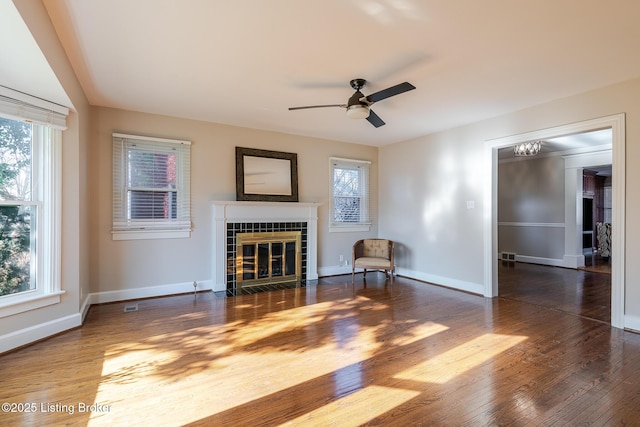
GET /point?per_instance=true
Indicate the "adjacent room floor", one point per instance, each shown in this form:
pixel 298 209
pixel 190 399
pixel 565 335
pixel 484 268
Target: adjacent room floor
pixel 579 292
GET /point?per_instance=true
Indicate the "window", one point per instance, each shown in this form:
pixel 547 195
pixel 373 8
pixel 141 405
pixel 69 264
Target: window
pixel 30 139
pixel 150 187
pixel 349 195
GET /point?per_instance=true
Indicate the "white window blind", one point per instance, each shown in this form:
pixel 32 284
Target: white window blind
pixel 19 106
pixel 349 193
pixel 151 185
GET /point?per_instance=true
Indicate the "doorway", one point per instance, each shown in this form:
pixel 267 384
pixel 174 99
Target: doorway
pixel 531 224
pixel 596 218
pixel 573 239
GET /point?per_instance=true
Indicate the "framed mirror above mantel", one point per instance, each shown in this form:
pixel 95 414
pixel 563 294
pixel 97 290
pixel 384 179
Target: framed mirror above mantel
pixel 264 175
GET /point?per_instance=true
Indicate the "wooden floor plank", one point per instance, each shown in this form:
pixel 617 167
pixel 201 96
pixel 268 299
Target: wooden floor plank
pixel 371 353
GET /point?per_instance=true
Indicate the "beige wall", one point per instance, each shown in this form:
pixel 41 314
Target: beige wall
pixel 425 184
pixel 121 265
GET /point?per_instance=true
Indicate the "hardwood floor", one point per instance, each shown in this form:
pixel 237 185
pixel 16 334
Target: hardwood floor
pixel 597 264
pixel 579 292
pixel 335 354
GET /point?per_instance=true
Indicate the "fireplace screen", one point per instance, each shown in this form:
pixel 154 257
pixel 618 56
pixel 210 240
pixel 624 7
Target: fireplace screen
pixel 268 257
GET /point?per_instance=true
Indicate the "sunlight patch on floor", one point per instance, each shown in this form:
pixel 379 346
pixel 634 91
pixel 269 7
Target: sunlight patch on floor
pixel 210 370
pixel 296 318
pixel 357 408
pixel 420 331
pixel 448 365
pixel 134 363
pixel 236 380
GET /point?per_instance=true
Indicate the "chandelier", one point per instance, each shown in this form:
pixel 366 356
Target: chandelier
pixel 530 148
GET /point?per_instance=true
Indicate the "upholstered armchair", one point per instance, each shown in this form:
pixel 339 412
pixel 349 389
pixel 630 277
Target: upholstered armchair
pixel 373 254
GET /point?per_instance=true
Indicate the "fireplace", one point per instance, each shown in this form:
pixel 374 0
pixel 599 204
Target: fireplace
pixel 268 258
pixel 263 245
pixel 247 255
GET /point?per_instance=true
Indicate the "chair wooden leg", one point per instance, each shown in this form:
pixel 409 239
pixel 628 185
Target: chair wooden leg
pixel 365 273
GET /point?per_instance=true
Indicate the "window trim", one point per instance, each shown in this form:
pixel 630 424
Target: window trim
pixel 123 229
pixel 28 300
pixel 345 227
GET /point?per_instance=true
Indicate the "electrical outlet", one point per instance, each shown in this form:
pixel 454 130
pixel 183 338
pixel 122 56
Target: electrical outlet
pixel 341 258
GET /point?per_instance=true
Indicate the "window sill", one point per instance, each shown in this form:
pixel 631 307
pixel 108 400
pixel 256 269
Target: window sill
pixel 349 228
pixel 20 303
pixel 150 234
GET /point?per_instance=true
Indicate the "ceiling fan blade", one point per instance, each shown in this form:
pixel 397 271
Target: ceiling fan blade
pixel 317 106
pixel 389 92
pixel 374 119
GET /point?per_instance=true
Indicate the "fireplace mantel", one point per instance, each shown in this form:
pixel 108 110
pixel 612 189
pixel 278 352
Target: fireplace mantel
pixel 225 212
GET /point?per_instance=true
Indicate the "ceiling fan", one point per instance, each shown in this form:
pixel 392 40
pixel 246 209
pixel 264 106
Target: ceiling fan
pixel 358 106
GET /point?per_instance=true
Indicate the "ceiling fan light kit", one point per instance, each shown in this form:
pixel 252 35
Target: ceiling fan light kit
pixel 358 105
pixel 357 112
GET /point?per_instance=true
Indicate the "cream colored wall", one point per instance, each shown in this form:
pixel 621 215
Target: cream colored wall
pixel 425 184
pixel 75 197
pixel 121 265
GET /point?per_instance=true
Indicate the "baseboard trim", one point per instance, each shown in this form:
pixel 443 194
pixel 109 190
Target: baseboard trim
pixel 461 285
pixel 335 270
pixel 39 332
pixel 573 261
pixel 632 323
pixel 543 261
pixel 475 288
pixel 554 262
pixel 148 292
pixel 84 308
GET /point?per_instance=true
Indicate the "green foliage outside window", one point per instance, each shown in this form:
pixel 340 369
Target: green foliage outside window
pixel 16 212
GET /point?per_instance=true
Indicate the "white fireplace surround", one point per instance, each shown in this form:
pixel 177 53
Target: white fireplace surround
pixel 225 212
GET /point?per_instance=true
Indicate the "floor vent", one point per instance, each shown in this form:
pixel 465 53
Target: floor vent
pixel 508 256
pixel 130 307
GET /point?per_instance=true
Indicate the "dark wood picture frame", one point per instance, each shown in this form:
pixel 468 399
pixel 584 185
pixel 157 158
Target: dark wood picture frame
pixel 276 171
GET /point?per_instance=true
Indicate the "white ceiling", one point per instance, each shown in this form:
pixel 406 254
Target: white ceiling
pixel 244 62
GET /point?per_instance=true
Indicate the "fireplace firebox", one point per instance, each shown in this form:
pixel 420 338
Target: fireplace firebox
pixel 268 258
pixel 249 249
